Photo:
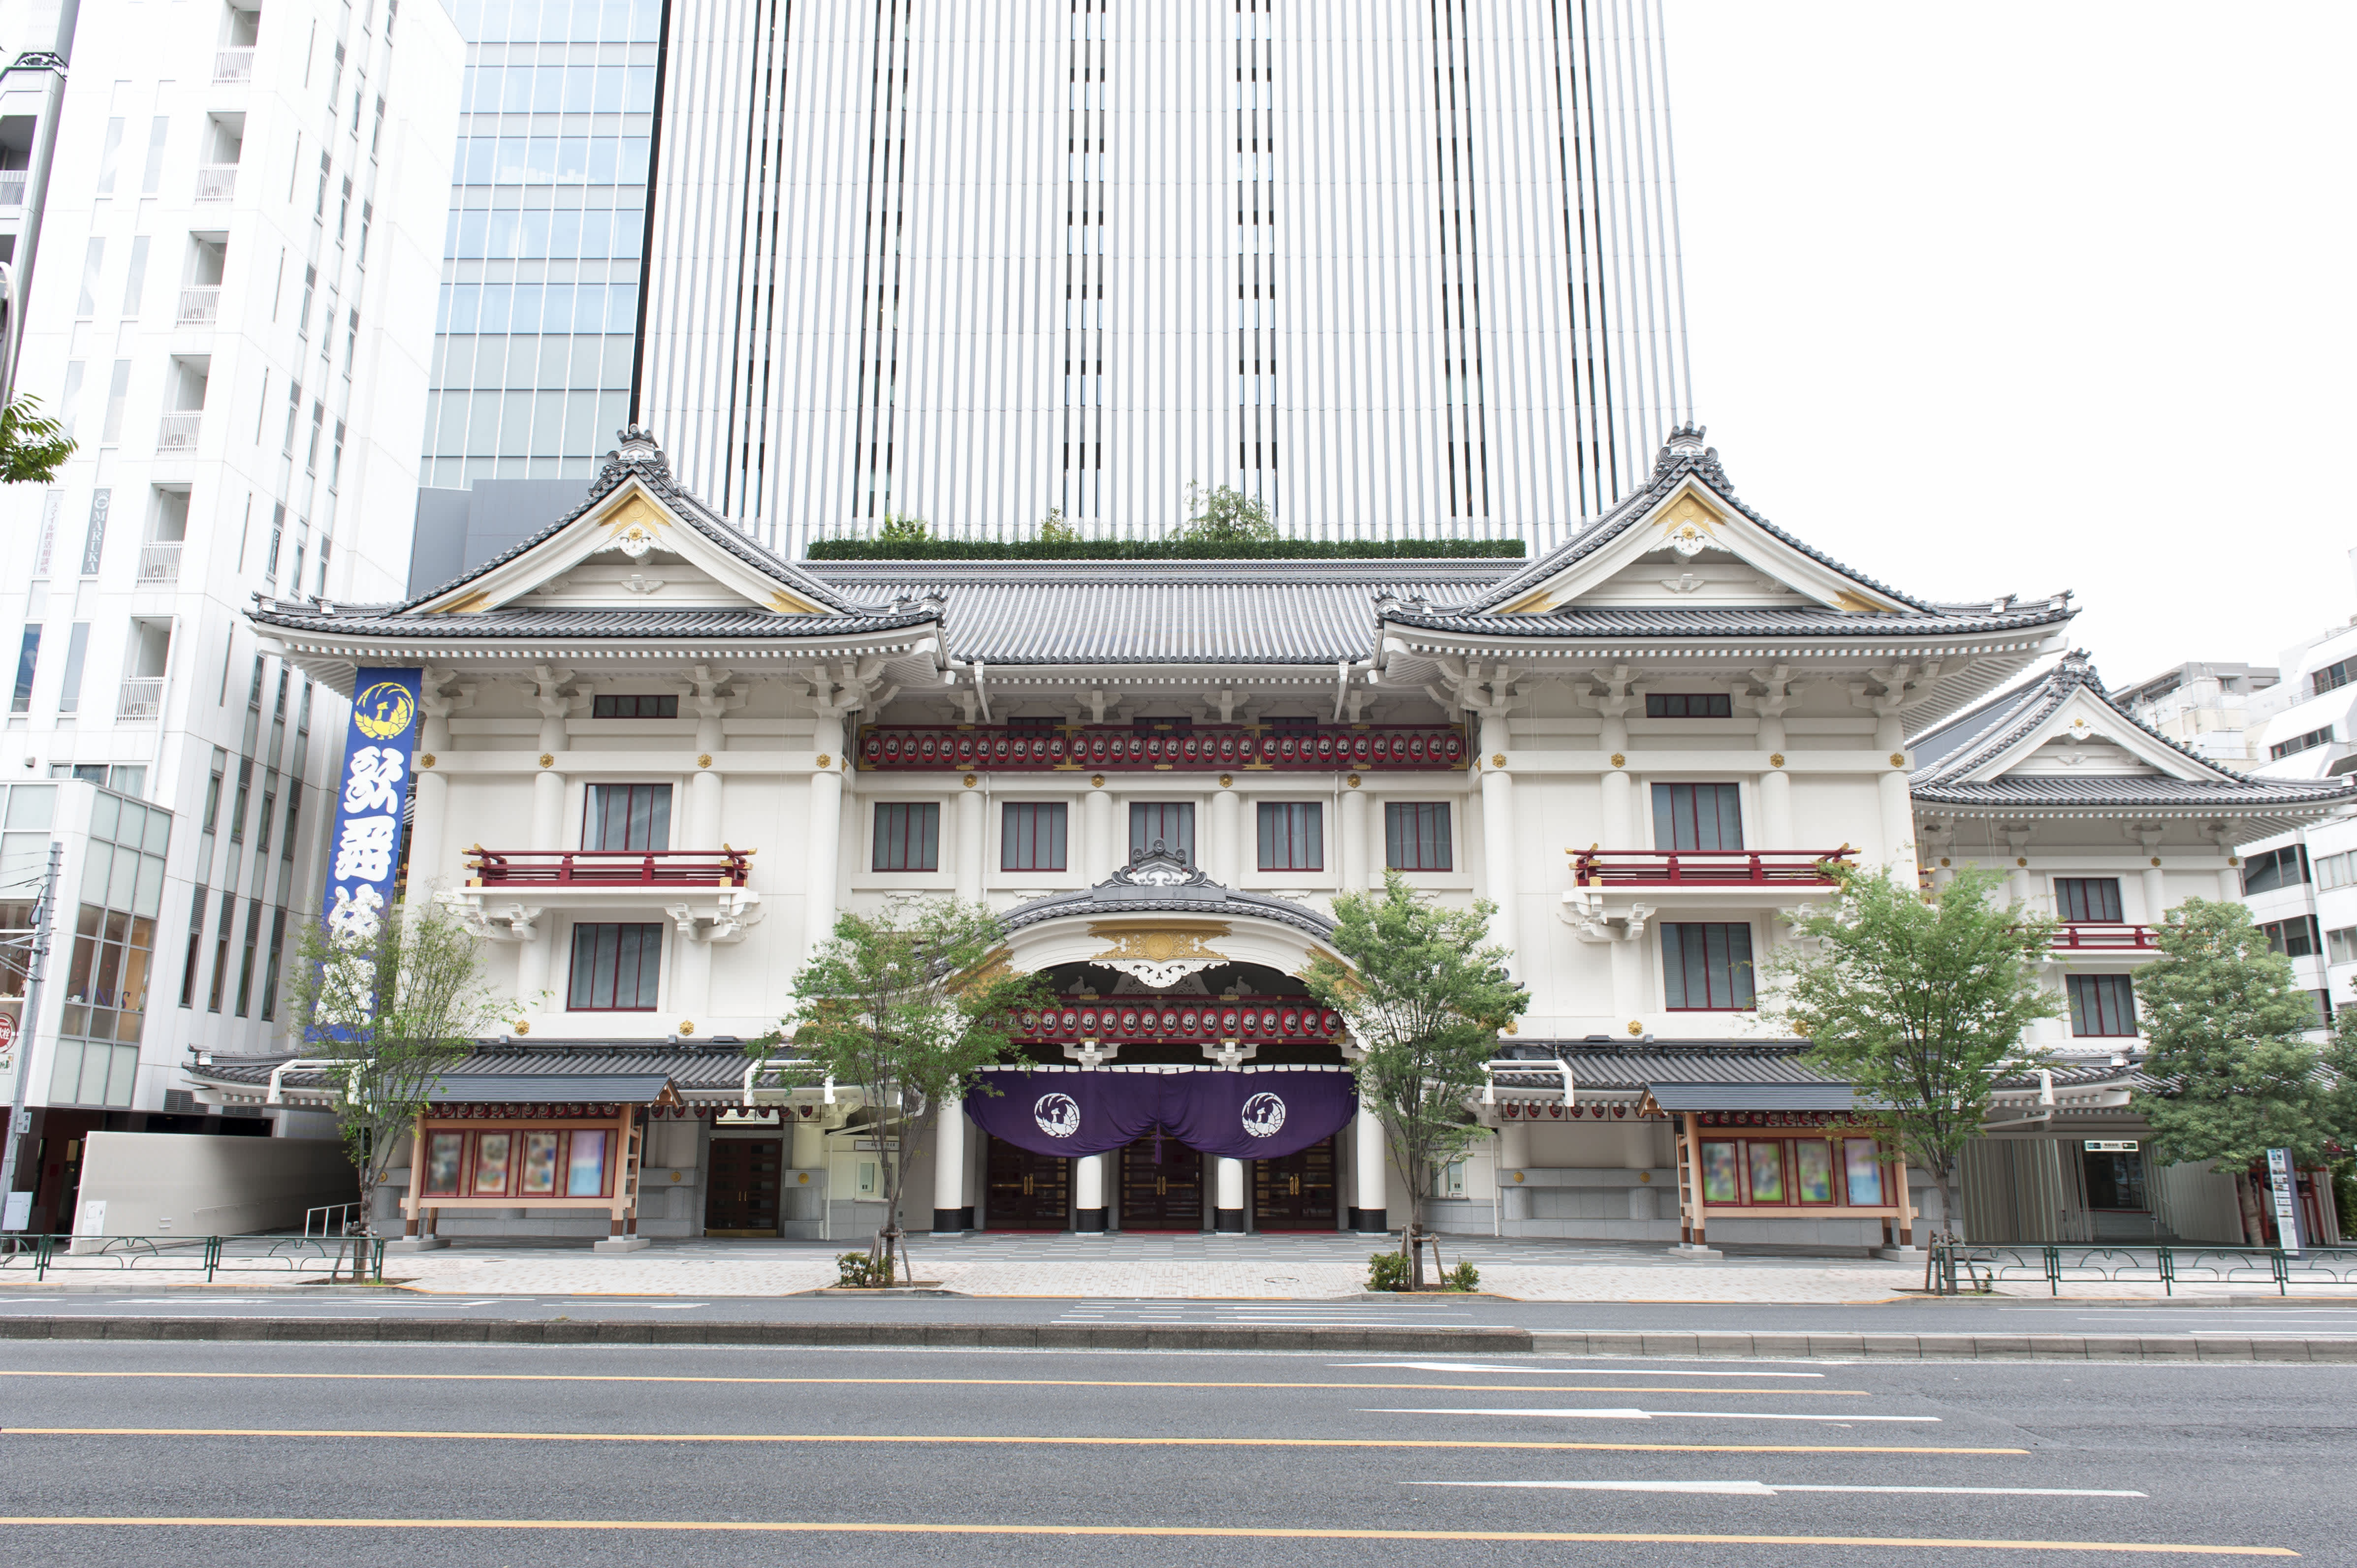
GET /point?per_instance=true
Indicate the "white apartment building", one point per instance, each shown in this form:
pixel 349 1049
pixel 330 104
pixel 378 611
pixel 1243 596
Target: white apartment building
pixel 2206 708
pixel 232 312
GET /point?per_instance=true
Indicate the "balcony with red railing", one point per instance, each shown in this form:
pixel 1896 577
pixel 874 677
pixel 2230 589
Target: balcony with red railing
pixel 2105 937
pixel 1661 869
pixel 1162 745
pixel 615 868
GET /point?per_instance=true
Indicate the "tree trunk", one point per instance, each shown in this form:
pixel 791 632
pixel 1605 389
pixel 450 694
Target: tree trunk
pixel 1951 1217
pixel 2247 1199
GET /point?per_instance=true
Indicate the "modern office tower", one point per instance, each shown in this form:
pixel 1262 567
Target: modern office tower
pixel 539 298
pixel 1398 266
pixel 232 312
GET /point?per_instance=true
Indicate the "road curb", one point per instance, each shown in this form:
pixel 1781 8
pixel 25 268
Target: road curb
pixel 2171 1347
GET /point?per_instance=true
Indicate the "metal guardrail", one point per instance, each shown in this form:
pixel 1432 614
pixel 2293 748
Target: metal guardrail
pixel 1959 1269
pixel 42 1254
pixel 331 1219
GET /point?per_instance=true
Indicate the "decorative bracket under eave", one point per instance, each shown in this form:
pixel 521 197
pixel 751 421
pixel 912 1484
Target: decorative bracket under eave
pixel 1583 909
pixel 723 921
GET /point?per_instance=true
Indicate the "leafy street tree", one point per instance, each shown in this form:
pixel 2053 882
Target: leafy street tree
pixel 391 1009
pixel 1426 993
pixel 1055 529
pixel 1918 1002
pixel 909 1005
pixel 1224 515
pixel 898 530
pixel 33 447
pixel 2225 1016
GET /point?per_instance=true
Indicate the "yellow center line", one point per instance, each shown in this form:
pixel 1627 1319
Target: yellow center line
pixel 1216 1532
pixel 1010 1440
pixel 947 1382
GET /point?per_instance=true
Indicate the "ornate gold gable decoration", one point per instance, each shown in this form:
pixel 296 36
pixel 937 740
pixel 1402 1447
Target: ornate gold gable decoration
pixel 1689 527
pixel 1159 955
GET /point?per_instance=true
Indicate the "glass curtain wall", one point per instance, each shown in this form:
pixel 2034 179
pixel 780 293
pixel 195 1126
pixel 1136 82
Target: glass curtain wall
pixel 540 275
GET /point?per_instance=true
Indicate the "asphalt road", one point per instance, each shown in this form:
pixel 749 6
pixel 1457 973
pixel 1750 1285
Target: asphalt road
pixel 2307 1317
pixel 499 1455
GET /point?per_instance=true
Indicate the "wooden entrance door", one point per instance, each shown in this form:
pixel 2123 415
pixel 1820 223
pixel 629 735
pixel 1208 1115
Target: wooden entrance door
pixel 1165 1195
pixel 742 1199
pixel 1296 1192
pixel 1025 1191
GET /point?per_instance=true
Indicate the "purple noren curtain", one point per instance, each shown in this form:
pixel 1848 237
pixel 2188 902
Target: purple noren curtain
pixel 1240 1115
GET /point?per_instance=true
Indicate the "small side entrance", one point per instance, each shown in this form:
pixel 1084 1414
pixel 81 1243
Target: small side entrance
pixel 1164 1194
pixel 742 1199
pixel 1023 1191
pixel 1296 1192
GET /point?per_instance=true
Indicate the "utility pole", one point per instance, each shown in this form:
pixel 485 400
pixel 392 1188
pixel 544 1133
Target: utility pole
pixel 36 194
pixel 36 962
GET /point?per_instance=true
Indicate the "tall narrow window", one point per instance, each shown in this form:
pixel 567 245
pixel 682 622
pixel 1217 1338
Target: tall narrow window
pixel 270 965
pixel 2102 1005
pixel 616 968
pixel 245 966
pixel 2088 898
pixel 69 689
pixel 1706 967
pixel 1697 817
pixel 28 656
pixel 1032 836
pixel 626 816
pixel 196 943
pixel 221 951
pixel 907 836
pixel 1170 823
pixel 1292 835
pixel 1415 836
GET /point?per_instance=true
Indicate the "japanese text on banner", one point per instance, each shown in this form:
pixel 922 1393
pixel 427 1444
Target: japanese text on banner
pixel 365 852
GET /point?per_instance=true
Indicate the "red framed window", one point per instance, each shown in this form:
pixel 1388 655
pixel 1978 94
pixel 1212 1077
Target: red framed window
pixel 616 968
pixel 1292 835
pixel 907 836
pixel 1706 967
pixel 1170 823
pixel 626 816
pixel 1698 816
pixel 2088 898
pixel 1415 836
pixel 2103 1005
pixel 1032 836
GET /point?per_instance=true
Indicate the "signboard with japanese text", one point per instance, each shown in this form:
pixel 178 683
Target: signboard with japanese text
pixel 364 852
pixel 2283 1183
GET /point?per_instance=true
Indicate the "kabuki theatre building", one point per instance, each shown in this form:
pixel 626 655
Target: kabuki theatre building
pixel 650 760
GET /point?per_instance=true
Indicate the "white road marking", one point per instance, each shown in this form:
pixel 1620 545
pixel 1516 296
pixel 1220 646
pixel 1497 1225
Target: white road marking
pixel 1564 1371
pixel 1761 1489
pixel 1646 1415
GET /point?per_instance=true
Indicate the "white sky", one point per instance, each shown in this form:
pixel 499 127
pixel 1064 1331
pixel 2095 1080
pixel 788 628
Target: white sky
pixel 2016 298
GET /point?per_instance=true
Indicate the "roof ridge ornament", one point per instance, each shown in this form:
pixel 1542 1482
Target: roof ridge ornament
pixel 1158 865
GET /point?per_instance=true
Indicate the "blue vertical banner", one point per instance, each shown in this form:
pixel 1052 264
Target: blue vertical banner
pixel 365 850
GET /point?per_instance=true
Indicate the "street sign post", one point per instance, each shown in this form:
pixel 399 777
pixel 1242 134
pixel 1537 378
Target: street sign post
pixel 2284 1183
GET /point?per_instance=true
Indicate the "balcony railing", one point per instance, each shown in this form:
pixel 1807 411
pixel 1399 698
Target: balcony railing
pixel 12 186
pixel 2106 936
pixel 177 431
pixel 611 867
pixel 199 307
pixel 141 698
pixel 234 65
pixel 217 182
pixel 1161 747
pixel 159 563
pixel 1706 867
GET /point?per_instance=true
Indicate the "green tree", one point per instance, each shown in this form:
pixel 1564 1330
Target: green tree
pixel 898 530
pixel 1224 515
pixel 1921 1004
pixel 909 1005
pixel 390 1010
pixel 1055 529
pixel 1426 993
pixel 2226 1017
pixel 33 447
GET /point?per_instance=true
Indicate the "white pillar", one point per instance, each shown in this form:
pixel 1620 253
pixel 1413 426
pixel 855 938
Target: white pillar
pixel 538 969
pixel 2230 884
pixel 1099 857
pixel 427 823
pixel 1369 1153
pixel 810 1144
pixel 1898 805
pixel 1088 1194
pixel 823 846
pixel 1227 1217
pixel 702 822
pixel 2155 894
pixel 1619 825
pixel 1224 857
pixel 1629 995
pixel 548 788
pixel 1513 1157
pixel 972 830
pixel 1775 791
pixel 1355 874
pixel 950 1212
pixel 1497 856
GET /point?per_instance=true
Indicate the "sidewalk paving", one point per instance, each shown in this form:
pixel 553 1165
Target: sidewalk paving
pixel 1287 1267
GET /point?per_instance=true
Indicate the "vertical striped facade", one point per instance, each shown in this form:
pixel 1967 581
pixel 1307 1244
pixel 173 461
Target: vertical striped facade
pixel 1398 267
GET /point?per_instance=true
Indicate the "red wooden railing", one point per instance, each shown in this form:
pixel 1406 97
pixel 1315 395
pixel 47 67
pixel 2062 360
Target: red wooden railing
pixel 2106 936
pixel 1705 867
pixel 611 867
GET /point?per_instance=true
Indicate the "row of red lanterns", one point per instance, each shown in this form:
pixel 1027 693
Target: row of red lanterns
pixel 1246 1021
pixel 920 749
